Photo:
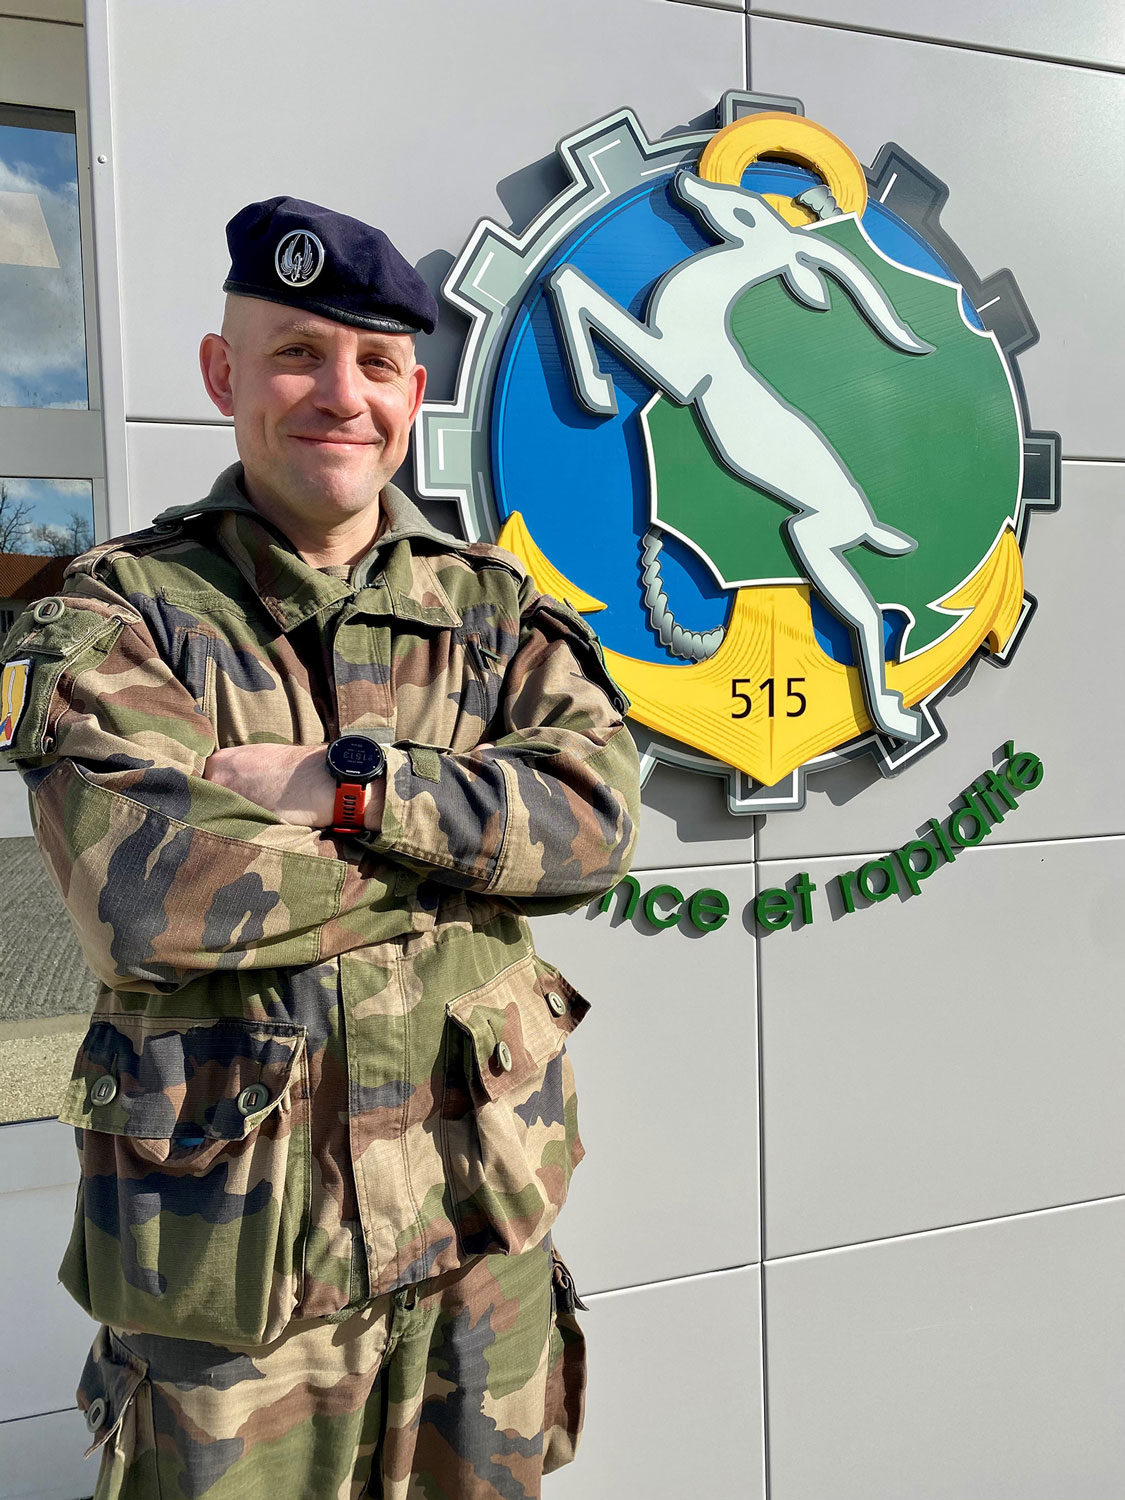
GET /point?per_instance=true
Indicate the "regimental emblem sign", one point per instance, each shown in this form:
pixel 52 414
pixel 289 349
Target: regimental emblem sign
pixel 745 406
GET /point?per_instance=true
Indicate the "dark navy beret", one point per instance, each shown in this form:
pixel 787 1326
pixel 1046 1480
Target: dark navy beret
pixel 286 250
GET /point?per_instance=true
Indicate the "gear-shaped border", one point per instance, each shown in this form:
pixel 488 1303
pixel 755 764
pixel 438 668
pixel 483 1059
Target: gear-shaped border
pixel 487 283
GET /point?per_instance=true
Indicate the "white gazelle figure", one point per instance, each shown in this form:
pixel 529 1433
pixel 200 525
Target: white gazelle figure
pixel 758 435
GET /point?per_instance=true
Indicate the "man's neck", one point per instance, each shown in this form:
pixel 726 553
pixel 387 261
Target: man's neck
pixel 339 545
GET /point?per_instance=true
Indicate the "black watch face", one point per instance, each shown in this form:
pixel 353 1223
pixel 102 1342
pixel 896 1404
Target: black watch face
pixel 355 757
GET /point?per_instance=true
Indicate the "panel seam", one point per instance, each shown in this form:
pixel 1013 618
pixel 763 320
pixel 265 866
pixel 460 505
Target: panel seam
pixel 761 1175
pixel 943 1229
pixel 1111 69
pixel 993 848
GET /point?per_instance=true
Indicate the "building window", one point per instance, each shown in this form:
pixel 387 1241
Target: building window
pixel 42 322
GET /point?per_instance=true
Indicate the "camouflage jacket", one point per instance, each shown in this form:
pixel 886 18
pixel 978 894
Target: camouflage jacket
pixel 320 1067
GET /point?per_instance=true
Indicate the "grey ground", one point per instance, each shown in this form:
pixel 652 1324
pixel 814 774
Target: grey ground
pixel 46 991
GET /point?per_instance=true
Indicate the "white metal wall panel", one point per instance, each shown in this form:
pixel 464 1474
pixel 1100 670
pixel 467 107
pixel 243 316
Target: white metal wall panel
pixel 46 1335
pixel 1091 31
pixel 44 1353
pixel 41 1458
pixel 1048 698
pixel 686 820
pixel 674 1407
pixel 982 1362
pixel 667 1072
pixel 946 1057
pixel 1022 145
pixel 174 463
pixel 418 115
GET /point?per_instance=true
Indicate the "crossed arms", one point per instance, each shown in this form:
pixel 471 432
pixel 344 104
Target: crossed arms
pixel 176 859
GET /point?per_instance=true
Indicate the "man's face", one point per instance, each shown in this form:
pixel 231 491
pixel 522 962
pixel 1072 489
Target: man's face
pixel 322 411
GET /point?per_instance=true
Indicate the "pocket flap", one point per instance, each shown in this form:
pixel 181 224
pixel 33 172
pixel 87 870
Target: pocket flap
pixel 109 1382
pixel 517 1022
pixel 180 1079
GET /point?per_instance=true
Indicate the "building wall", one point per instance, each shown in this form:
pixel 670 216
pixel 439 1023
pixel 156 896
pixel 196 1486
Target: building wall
pixel 853 1213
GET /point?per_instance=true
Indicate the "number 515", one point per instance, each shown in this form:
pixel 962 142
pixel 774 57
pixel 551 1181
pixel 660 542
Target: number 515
pixel 767 687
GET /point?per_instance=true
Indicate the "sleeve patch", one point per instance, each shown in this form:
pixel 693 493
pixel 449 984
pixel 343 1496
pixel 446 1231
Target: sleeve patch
pixel 29 683
pixel 13 698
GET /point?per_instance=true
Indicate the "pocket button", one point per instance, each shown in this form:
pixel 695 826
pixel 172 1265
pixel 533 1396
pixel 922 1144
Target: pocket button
pixel 47 610
pixel 253 1098
pixel 95 1413
pixel 104 1091
pixel 503 1057
pixel 556 1003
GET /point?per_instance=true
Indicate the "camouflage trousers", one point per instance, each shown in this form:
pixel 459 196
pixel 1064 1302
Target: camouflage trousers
pixel 466 1387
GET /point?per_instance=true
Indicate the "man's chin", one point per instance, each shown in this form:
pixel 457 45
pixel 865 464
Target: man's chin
pixel 339 484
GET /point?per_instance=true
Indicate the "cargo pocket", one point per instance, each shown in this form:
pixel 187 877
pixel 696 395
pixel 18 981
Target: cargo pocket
pixel 115 1399
pixel 565 1407
pixel 509 1116
pixel 193 1205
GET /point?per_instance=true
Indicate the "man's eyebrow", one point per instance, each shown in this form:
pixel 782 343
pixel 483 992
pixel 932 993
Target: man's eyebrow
pixel 299 330
pixel 304 330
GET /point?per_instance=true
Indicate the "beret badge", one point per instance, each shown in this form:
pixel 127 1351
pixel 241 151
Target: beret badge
pixel 299 257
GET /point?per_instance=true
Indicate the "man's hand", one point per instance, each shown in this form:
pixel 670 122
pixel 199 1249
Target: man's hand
pixel 291 780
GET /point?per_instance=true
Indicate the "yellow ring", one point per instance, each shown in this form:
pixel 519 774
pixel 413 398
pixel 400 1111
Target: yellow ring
pixel 789 138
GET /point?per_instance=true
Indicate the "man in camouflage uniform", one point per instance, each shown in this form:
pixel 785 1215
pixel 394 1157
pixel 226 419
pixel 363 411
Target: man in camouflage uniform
pixel 324 1110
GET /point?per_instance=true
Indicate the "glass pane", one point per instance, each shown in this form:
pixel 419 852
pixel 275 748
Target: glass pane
pixel 42 329
pixel 43 524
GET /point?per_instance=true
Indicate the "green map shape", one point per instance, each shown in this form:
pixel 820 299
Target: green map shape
pixel 934 440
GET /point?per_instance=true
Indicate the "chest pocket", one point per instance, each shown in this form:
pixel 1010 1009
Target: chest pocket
pixel 509 1116
pixel 445 687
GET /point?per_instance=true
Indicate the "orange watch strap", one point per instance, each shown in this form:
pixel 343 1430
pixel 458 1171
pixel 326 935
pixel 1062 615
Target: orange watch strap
pixel 347 814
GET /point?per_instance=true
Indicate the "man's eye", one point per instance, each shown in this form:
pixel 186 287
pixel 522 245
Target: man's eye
pixel 293 351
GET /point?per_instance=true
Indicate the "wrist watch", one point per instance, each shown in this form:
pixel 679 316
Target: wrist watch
pixel 354 760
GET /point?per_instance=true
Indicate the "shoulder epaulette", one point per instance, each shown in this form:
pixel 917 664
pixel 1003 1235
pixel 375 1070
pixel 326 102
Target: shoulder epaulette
pixel 488 555
pixel 131 543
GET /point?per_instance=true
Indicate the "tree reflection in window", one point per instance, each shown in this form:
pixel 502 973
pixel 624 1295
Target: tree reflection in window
pixel 43 524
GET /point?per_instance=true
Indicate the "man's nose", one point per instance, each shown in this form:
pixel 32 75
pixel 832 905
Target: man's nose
pixel 338 388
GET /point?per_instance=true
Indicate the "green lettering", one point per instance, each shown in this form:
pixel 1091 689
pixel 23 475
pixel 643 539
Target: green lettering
pixel 999 785
pixel 980 796
pixel 939 834
pixel 1025 771
pixel 913 874
pixel 634 888
pixel 884 868
pixel 956 823
pixel 657 893
pixel 774 908
pixel 846 882
pixel 803 889
pixel 707 910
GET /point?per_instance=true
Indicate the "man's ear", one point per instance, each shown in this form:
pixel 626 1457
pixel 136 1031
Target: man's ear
pixel 418 376
pixel 214 363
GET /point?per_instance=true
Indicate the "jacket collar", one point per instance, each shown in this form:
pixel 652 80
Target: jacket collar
pixel 395 577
